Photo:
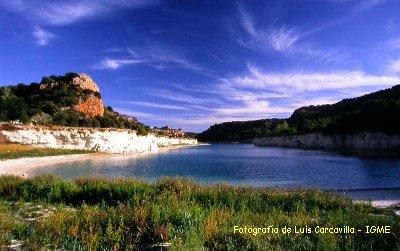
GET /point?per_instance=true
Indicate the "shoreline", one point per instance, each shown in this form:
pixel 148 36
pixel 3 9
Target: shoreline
pixel 22 166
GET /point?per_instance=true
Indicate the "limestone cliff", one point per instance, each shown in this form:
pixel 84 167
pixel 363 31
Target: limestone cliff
pixel 356 141
pixel 108 140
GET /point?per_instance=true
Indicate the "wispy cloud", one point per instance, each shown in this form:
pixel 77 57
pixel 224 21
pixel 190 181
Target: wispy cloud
pixel 394 66
pixel 394 43
pixel 368 4
pixel 161 58
pixel 183 97
pixel 281 39
pixel 289 40
pixel 42 36
pixel 284 38
pixel 154 105
pixel 311 81
pixel 113 64
pixel 154 55
pixel 247 22
pixel 361 5
pixel 70 11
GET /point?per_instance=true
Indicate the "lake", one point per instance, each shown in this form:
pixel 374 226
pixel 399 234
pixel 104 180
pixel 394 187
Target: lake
pixel 245 164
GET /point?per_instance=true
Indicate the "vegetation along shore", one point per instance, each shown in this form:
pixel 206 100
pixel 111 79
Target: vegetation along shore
pixel 127 214
pixel 16 151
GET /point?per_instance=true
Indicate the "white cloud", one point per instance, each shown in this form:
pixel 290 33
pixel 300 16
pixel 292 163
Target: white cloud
pixel 113 64
pixel 65 12
pixel 295 81
pixel 42 36
pixel 255 107
pixel 394 66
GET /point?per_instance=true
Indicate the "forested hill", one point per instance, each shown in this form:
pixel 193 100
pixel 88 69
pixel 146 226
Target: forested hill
pixel 238 130
pixel 374 112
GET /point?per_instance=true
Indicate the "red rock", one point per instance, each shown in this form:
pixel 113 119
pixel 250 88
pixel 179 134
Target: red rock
pixel 92 106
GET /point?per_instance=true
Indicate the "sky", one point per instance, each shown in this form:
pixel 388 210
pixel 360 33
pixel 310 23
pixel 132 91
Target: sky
pixel 191 64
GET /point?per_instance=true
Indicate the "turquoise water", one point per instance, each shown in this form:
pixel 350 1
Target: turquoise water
pixel 245 164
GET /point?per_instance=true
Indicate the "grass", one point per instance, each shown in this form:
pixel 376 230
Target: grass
pixel 128 214
pixel 15 151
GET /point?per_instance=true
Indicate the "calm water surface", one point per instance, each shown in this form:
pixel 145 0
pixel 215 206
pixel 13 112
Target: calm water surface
pixel 245 164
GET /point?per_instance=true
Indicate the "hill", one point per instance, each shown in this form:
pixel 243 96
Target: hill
pixel 69 100
pixel 374 112
pixel 378 111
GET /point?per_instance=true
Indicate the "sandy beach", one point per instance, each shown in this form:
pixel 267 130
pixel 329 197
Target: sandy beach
pixel 22 166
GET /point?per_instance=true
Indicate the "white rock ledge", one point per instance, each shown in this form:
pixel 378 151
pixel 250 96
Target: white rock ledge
pixel 108 140
pixel 357 141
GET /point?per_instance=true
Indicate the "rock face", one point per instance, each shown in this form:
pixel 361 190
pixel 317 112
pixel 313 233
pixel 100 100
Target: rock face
pixel 356 141
pixel 93 105
pixel 102 140
pixel 85 82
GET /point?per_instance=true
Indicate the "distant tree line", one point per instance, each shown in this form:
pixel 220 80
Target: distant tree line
pixel 375 112
pixel 54 105
pixel 240 130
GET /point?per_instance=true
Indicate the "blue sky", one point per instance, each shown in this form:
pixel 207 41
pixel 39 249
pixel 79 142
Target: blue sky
pixel 191 64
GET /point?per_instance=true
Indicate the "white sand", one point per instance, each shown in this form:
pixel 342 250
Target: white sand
pixel 381 203
pixel 22 166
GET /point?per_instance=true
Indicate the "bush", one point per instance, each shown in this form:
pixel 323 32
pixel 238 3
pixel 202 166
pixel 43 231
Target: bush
pixel 42 119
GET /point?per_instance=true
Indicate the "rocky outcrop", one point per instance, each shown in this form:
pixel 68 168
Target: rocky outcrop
pixel 85 82
pixel 357 141
pixel 102 140
pixel 93 105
